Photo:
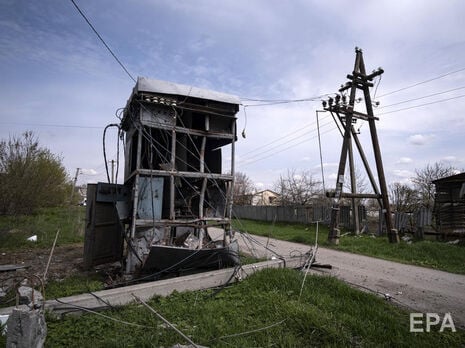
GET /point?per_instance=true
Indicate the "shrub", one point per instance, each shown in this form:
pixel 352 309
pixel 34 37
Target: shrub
pixel 31 177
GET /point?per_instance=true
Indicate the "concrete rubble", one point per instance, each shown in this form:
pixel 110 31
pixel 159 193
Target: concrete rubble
pixel 30 297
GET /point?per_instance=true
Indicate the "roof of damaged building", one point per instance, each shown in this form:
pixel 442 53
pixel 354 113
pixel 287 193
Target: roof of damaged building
pixel 453 178
pixel 170 88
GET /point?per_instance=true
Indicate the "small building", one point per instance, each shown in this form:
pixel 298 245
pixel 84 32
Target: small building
pixel 265 197
pixel 449 205
pixel 173 212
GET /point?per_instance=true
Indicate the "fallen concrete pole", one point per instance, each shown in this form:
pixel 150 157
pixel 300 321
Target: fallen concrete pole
pixel 145 291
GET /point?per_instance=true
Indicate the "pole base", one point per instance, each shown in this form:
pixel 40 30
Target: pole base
pixel 393 236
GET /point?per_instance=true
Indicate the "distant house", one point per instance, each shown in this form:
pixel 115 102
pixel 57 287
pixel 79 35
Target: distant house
pixel 265 197
pixel 449 205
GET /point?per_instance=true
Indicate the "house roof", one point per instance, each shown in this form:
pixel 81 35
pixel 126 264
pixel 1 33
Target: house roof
pixel 453 178
pixel 259 192
pixel 164 87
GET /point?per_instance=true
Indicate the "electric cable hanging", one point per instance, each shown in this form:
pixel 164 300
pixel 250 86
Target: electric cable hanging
pixel 104 150
pixel 321 155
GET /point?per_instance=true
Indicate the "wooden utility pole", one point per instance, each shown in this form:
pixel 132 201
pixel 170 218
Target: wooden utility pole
pixel 74 183
pixel 347 116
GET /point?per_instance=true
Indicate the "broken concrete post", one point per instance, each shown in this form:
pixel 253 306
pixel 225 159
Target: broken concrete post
pixel 30 297
pixel 26 328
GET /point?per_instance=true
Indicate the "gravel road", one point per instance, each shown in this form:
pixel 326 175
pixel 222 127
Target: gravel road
pixel 420 289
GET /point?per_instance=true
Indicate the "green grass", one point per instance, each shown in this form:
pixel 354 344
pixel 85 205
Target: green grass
pixel 14 230
pixel 73 285
pixel 432 254
pixel 329 314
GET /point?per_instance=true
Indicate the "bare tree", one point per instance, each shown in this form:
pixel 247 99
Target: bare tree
pixel 403 197
pixel 423 181
pixel 298 188
pixel 361 183
pixel 243 189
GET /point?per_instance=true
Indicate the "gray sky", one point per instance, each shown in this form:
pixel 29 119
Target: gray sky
pixel 58 79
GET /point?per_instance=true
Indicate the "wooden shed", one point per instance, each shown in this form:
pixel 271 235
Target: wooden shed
pixel 449 205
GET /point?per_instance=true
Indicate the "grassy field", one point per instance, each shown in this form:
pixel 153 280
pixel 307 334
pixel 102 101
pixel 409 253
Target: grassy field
pixel 433 254
pixel 14 230
pixel 329 313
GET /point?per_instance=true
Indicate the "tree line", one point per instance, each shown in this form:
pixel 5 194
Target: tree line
pixel 302 188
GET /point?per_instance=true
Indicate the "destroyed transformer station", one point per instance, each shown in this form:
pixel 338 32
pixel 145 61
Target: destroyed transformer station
pixel 173 212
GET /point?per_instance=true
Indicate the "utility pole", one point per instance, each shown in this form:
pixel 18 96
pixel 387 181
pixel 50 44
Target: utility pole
pixel 347 116
pixel 74 183
pixel 112 171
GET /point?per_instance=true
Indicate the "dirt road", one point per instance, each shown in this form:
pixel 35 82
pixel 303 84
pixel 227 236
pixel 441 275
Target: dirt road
pixel 421 289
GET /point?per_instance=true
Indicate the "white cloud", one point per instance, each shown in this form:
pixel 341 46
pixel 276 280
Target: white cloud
pixel 449 158
pixel 328 165
pixel 420 139
pixel 90 171
pixel 332 176
pixel 49 54
pixel 404 160
pixel 402 173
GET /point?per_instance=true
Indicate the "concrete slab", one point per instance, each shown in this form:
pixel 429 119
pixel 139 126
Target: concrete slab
pixel 145 291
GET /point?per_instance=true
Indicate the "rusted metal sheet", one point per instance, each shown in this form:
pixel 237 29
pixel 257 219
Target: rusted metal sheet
pixel 104 234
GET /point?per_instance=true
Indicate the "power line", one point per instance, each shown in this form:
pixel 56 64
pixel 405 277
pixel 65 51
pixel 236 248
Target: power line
pixel 286 148
pixel 286 142
pixel 286 100
pixel 280 138
pixel 266 102
pixel 103 41
pixel 422 82
pixel 426 96
pixel 51 125
pixel 420 105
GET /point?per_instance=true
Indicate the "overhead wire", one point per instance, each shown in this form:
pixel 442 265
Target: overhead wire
pixel 419 98
pixel 421 105
pixel 287 100
pixel 102 40
pixel 50 125
pixel 280 138
pixel 248 158
pixel 422 82
pixel 254 160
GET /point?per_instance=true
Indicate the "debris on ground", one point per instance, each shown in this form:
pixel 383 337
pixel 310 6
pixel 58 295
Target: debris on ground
pixel 457 241
pixel 30 297
pixel 32 238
